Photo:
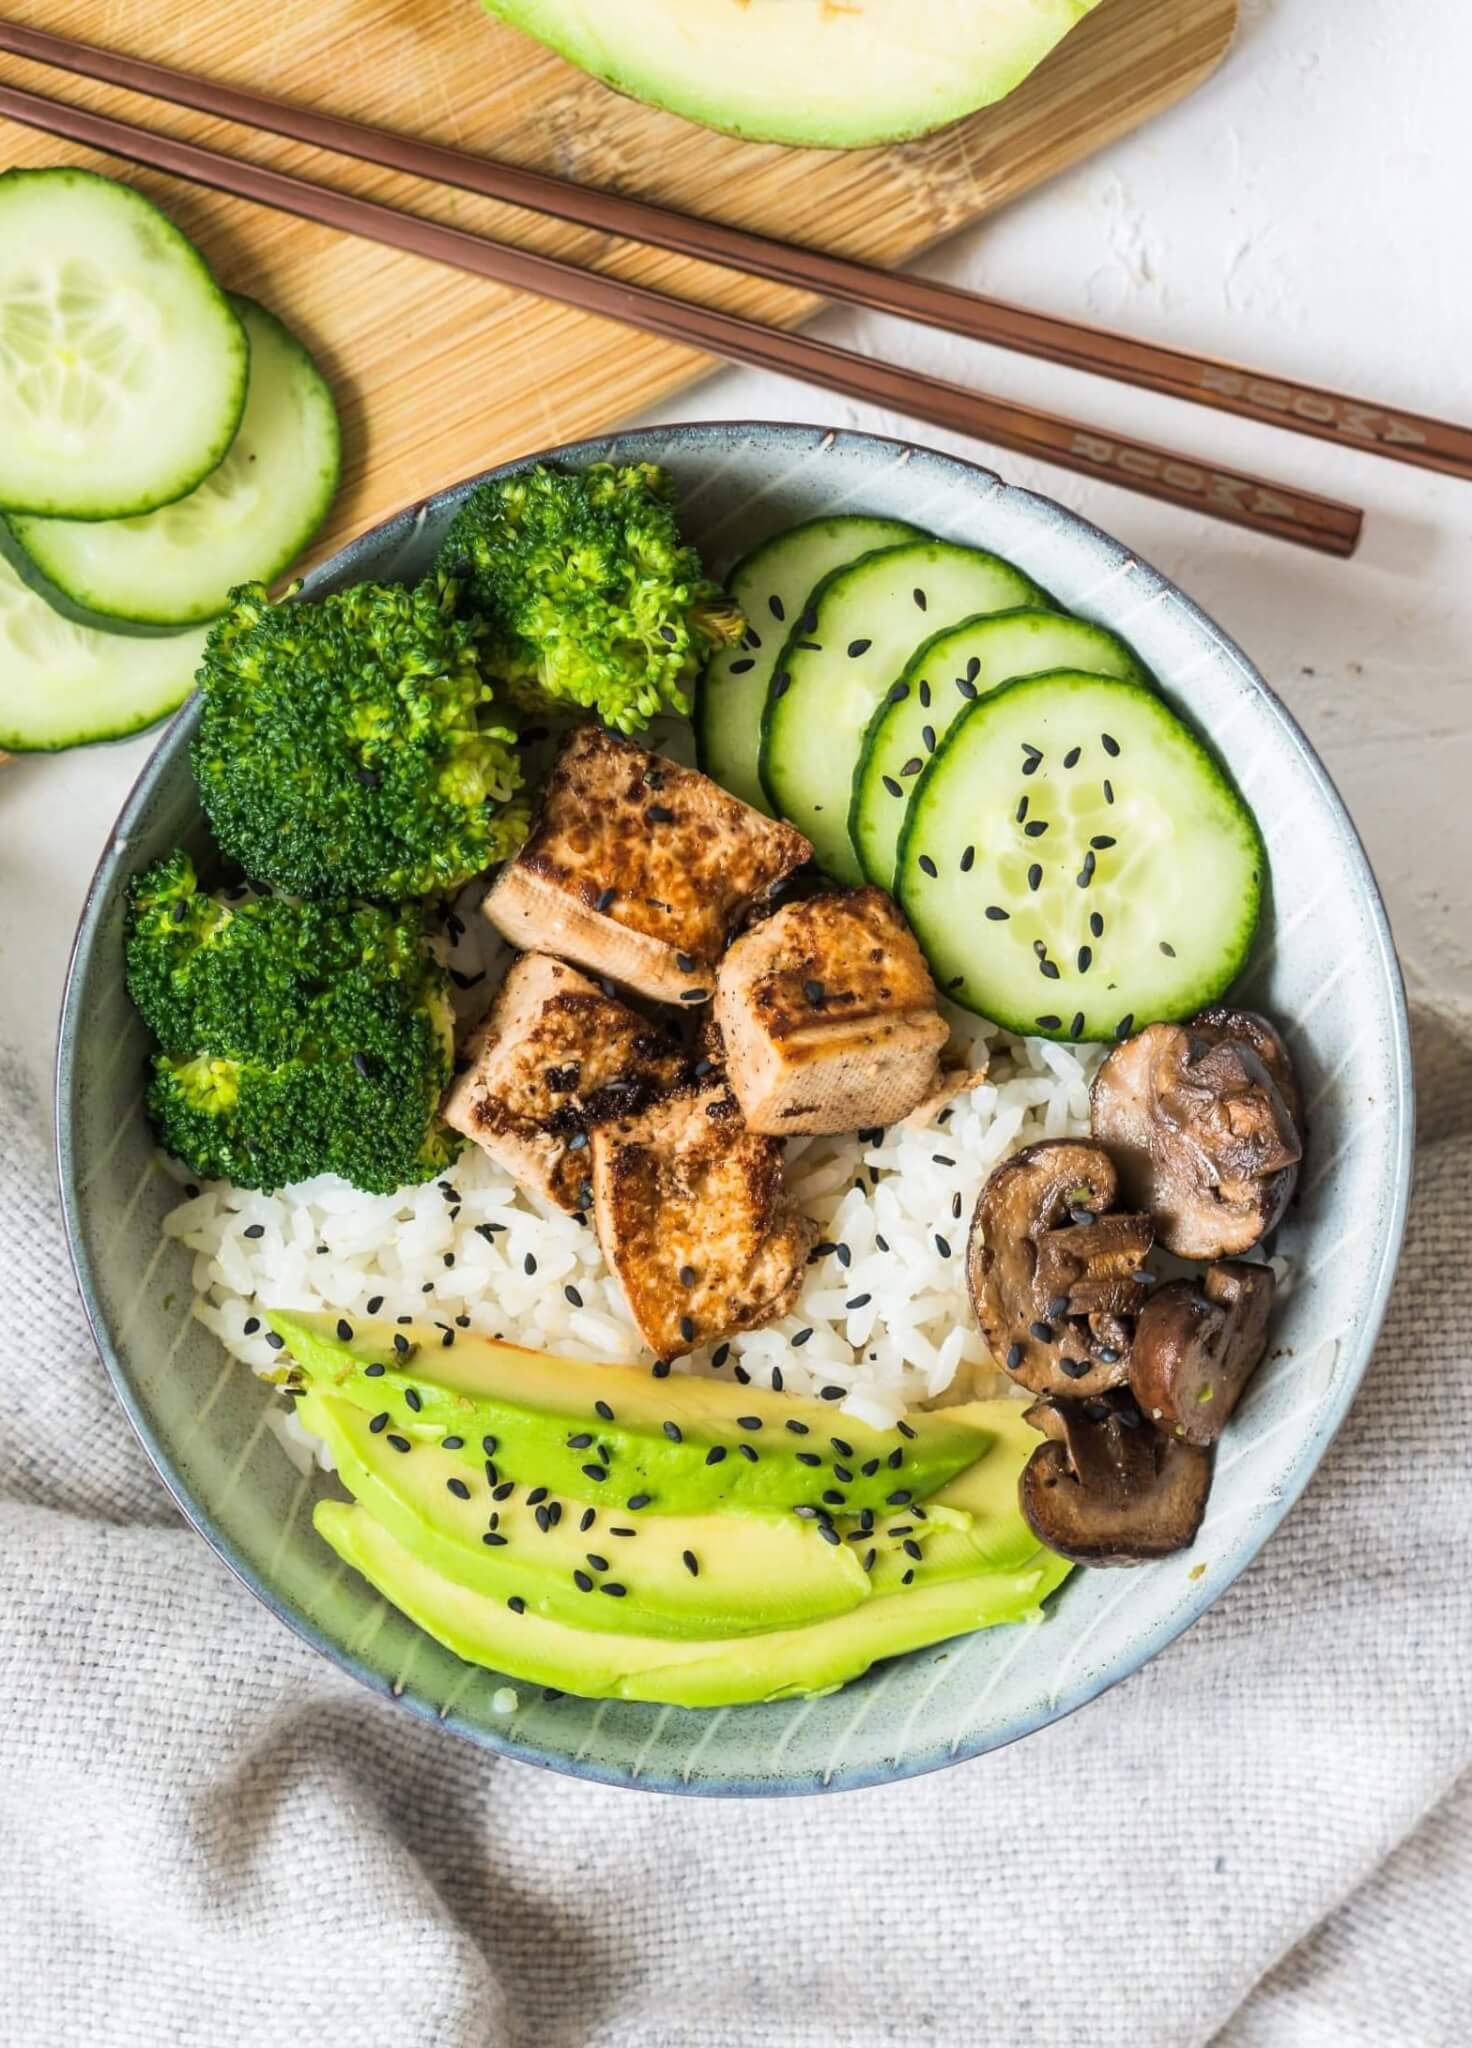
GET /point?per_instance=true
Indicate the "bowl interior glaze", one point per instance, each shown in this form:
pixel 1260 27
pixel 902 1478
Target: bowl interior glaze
pixel 1324 966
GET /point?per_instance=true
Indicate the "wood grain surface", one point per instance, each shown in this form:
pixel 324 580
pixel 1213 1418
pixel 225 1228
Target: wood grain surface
pixel 440 374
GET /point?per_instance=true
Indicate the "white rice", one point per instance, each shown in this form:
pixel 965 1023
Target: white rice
pixel 884 1315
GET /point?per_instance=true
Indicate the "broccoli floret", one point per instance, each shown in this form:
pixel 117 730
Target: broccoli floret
pixel 348 747
pixel 588 594
pixel 295 1038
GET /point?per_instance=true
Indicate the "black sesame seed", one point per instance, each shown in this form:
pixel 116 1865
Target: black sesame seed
pixel 660 1370
pixel 1048 1022
pixel 687 1329
pixel 777 1382
pixel 1168 950
pixel 941 1246
pixel 828 1533
pixel 1076 1028
pixel 1015 1355
pixel 1102 840
pixel 1048 969
pixel 620 1531
pixel 604 899
pixel 748 1422
pixel 1108 792
pixel 799 1429
pixel 808 1458
pixel 412 1399
pixel 1107 1355
pixel 841 1252
pixel 1125 1025
pixel 719 1356
pixel 739 668
pixel 1085 874
pixel 967 688
pixel 925 695
pixel 529 1264
pixel 572 1295
pixel 912 766
pixel 537 1495
pixel 495 1541
pixel 1042 1331
pixel 1071 758
pixel 252 1324
pixel 892 786
pixel 927 734
pixel 928 866
pixel 1021 808
pixel 858 1301
pixel 1034 877
pixel 544 1520
pixel 1035 827
pixel 800 1337
pixel 595 1471
pixel 996 913
pixel 869 1557
pixel 715 1454
pixel 581 1580
pixel 968 861
pixel 400 1443
pixel 380 1422
pixel 899 1498
pixel 345 1329
pixel 834 1498
pixel 781 683
pixel 776 607
pixel 660 814
pixel 898 693
pixel 1096 924
pixel 831 1393
pixel 638 1500
pixel 922 600
pixel 588 1518
pixel 905 1430
pixel 1075 1368
pixel 374 1372
pixel 254 1230
pixel 815 993
pixel 844 1450
pixel 691 1563
pixel 504 1490
pixel 909 1577
pixel 580 1442
pixel 1085 959
pixel 613 1589
pixel 842 1472
pixel 458 1487
pixel 858 647
pixel 1109 743
pixel 911 1548
pixel 869 1467
pixel 746 1451
pixel 895 1459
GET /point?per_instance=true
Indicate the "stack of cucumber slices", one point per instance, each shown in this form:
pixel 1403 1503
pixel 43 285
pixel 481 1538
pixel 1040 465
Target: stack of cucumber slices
pixel 161 441
pixel 1072 858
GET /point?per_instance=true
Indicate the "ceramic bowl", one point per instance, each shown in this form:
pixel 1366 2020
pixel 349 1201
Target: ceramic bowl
pixel 1324 966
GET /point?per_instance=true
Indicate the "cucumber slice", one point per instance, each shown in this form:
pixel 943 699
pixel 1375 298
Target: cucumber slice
pixel 770 585
pixel 945 675
pixel 62 684
pixel 122 366
pixel 1076 864
pixel 860 628
pixel 245 523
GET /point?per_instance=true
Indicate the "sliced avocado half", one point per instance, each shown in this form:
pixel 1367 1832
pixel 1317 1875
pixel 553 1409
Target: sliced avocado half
pixel 616 1437
pixel 805 71
pixel 734 1671
pixel 678 1576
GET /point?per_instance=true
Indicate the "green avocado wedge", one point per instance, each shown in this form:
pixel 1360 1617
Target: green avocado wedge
pixel 675 1446
pixel 805 72
pixel 979 1566
pixel 677 1576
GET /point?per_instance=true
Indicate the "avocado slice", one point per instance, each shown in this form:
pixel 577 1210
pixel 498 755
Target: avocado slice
pixel 725 1636
pixel 739 1671
pixel 773 1571
pixel 674 1446
pixel 805 71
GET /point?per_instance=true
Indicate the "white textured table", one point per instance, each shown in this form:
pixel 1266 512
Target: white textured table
pixel 1304 212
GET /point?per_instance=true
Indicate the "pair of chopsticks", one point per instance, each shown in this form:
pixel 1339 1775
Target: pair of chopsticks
pixel 1242 499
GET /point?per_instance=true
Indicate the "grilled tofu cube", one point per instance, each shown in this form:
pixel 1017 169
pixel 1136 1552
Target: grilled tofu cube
pixel 829 1017
pixel 555 1057
pixel 638 869
pixel 692 1217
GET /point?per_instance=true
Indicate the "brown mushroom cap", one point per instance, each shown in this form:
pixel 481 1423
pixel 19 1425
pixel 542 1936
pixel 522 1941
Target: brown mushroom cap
pixel 1054 1278
pixel 1201 1120
pixel 1107 1489
pixel 1197 1344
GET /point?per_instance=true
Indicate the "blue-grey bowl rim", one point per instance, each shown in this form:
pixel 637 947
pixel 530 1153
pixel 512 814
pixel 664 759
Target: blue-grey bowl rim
pixel 196 1513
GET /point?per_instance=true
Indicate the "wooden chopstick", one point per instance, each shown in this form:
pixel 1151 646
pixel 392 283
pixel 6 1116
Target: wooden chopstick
pixel 1241 499
pixel 1203 380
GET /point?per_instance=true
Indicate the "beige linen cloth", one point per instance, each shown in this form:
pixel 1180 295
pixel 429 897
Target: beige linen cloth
pixel 1262 1840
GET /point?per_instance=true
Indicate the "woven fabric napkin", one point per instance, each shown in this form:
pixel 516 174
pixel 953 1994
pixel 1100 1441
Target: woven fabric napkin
pixel 1262 1840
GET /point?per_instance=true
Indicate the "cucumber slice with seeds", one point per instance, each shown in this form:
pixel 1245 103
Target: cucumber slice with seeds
pixel 771 585
pixel 248 520
pixel 62 684
pixel 945 675
pixel 1076 864
pixel 862 625
pixel 122 366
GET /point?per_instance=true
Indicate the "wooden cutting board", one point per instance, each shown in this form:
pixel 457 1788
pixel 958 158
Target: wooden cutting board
pixel 439 374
